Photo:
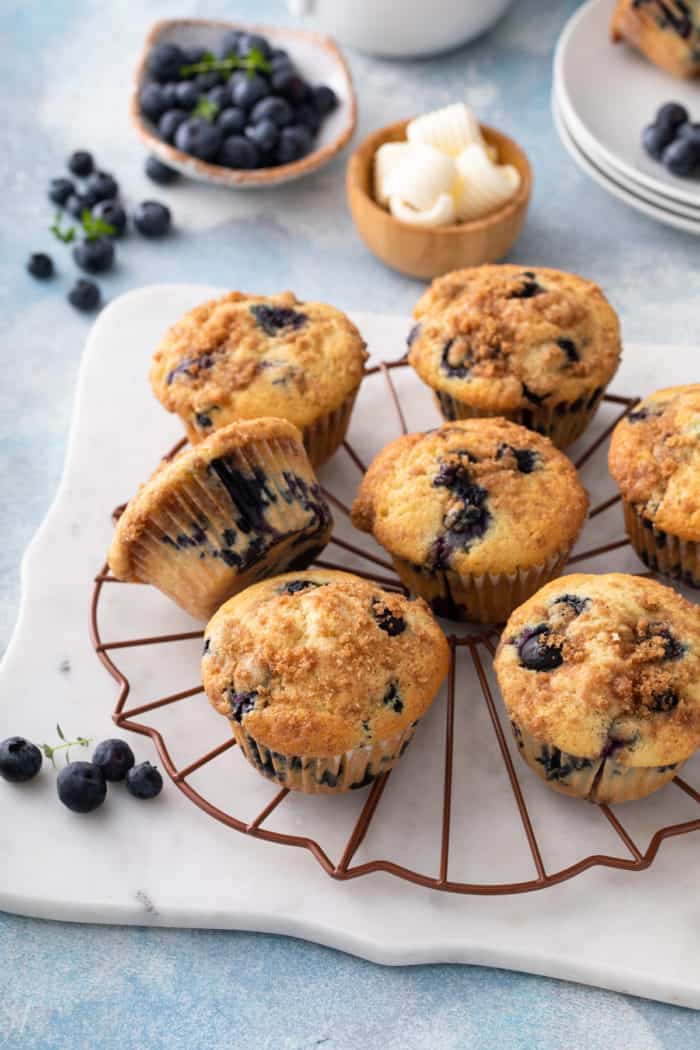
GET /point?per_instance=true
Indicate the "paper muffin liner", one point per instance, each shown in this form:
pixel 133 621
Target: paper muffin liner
pixel 562 422
pixel 327 775
pixel 595 779
pixel 662 551
pixel 326 434
pixel 200 548
pixel 487 598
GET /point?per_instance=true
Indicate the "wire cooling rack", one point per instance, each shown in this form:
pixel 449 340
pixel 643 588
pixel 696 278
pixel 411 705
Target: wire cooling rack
pixel 481 648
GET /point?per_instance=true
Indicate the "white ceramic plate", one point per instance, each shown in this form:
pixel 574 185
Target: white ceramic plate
pixel 617 189
pixel 609 92
pixel 318 59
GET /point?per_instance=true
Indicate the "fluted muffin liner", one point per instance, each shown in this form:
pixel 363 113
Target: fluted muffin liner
pixel 487 598
pixel 329 774
pixel 595 779
pixel 323 437
pixel 662 551
pixel 200 548
pixel 562 422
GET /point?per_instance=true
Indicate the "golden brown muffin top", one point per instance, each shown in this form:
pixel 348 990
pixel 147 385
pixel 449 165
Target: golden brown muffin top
pixel 475 496
pixel 605 665
pixel 244 356
pixel 319 662
pixel 504 338
pixel 655 459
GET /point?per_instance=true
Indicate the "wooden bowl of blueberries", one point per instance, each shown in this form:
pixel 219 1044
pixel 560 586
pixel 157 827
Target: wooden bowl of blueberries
pixel 242 106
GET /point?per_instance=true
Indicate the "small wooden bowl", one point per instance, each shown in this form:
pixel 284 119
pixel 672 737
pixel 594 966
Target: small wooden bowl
pixel 429 253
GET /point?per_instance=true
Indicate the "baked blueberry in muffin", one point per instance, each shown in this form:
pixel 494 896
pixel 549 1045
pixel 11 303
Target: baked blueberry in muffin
pixel 476 514
pixel 242 357
pixel 601 679
pixel 666 31
pixel 323 676
pixel 535 346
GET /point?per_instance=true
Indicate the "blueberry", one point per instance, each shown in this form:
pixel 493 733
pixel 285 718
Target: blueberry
pixel 112 213
pixel 672 115
pixel 207 81
pixel 307 116
pixel 295 586
pixel 324 99
pixel 534 652
pixel 40 265
pixel 665 700
pixel 294 143
pixel 249 90
pixel 19 760
pixel 219 95
pixel 81 786
pixel 253 42
pixel 186 95
pixel 193 54
pixel 115 758
pixel 76 205
pixel 170 122
pixel 655 139
pixel 101 186
pixel 152 219
pixel 95 256
pixel 569 348
pixel 264 134
pixel 144 781
pixel 84 295
pixel 392 698
pixel 682 157
pixel 525 459
pixel 689 131
pixel 278 54
pixel 241 704
pixel 81 162
pixel 165 62
pixel 159 172
pixel 239 152
pixel 272 108
pixel 228 45
pixel 60 190
pixel 575 603
pixel 385 619
pixel 274 318
pixel 287 82
pixel 198 137
pixel 231 121
pixel 152 101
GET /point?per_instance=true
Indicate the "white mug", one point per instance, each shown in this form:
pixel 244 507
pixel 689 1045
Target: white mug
pixel 401 28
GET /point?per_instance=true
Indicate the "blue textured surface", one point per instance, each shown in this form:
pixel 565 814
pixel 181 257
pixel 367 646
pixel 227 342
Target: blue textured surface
pixel 64 70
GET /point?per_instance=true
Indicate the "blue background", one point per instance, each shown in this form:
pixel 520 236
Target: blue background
pixel 65 69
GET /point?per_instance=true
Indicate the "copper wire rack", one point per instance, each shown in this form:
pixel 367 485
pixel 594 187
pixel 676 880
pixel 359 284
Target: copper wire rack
pixel 481 648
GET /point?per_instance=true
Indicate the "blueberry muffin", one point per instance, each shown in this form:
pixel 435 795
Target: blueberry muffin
pixel 323 676
pixel 666 31
pixel 601 679
pixel 536 346
pixel 241 505
pixel 243 357
pixel 655 460
pixel 476 515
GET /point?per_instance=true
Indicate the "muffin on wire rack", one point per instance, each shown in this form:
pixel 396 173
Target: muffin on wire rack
pixel 245 356
pixel 601 679
pixel 537 346
pixel 476 515
pixel 655 460
pixel 323 675
pixel 239 506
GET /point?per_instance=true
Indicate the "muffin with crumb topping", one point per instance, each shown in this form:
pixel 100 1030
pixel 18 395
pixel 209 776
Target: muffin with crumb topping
pixel 601 679
pixel 323 676
pixel 241 505
pixel 655 460
pixel 476 515
pixel 245 356
pixel 536 346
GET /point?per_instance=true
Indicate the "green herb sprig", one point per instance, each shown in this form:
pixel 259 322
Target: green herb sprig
pixel 62 235
pixel 206 109
pixel 50 751
pixel 92 227
pixel 253 63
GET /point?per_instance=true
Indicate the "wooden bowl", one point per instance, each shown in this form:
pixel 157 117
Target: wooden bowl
pixel 429 253
pixel 317 58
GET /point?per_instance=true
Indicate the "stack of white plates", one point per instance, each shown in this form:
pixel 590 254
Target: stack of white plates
pixel 603 96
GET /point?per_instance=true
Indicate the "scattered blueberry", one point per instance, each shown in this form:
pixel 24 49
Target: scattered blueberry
pixel 40 265
pixel 249 90
pixel 186 94
pixel 672 115
pixel 60 190
pixel 324 99
pixel 682 156
pixel 159 172
pixel 19 760
pixel 238 152
pixel 94 256
pixel 84 295
pixel 655 139
pixel 231 121
pixel 165 62
pixel 295 143
pixel 144 781
pixel 81 786
pixel 170 122
pixel 111 212
pixel 272 108
pixel 152 219
pixel 81 162
pixel 199 138
pixel 264 134
pixel 101 187
pixel 152 102
pixel 674 140
pixel 115 758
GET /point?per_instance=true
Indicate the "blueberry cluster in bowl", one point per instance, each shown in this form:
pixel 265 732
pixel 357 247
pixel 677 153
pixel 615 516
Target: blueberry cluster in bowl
pixel 244 106
pixel 674 140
